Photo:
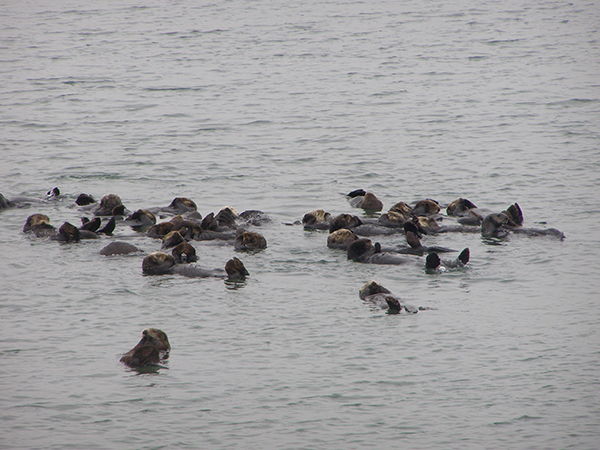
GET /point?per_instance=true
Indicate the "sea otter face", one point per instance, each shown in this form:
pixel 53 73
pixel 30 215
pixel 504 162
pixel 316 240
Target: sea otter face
pixel 235 269
pixel 157 263
pixel 227 217
pixel 492 225
pixel 157 337
pixel 152 348
pixel 249 240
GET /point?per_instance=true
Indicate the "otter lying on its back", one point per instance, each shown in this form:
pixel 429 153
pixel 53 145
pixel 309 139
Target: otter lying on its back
pixel 159 263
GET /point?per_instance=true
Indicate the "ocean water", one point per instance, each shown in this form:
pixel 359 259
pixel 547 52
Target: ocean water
pixel 284 107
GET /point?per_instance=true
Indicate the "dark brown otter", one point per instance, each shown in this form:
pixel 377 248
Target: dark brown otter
pixel 153 348
pixel 250 240
pixel 184 253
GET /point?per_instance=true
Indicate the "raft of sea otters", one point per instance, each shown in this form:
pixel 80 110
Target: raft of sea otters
pixel 347 232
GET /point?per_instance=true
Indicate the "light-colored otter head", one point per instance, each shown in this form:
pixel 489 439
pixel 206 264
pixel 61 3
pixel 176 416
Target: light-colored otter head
pixel 157 263
pixel 235 269
pixel 37 221
pixel 341 238
pixel 316 216
pixel 226 217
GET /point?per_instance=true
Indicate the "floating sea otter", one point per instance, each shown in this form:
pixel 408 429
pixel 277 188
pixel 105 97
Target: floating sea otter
pixel 317 219
pixel 363 250
pixel 375 294
pixel 365 200
pixel 433 263
pixel 250 240
pixel 110 205
pixel 39 224
pixel 152 349
pixel 159 263
pixel 341 239
pixel 500 224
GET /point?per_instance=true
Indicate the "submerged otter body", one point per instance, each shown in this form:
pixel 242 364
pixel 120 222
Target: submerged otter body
pixel 152 349
pixel 119 248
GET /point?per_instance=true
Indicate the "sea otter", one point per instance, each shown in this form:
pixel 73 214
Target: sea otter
pixel 141 219
pixel 250 240
pixel 159 263
pixel 433 263
pixel 374 293
pixel 152 349
pixel 39 224
pixel 363 250
pixel 110 205
pixel 341 239
pixel 364 200
pixel 317 219
pixel 499 225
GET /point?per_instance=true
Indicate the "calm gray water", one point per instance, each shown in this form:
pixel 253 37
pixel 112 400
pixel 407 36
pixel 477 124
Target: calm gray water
pixel 282 106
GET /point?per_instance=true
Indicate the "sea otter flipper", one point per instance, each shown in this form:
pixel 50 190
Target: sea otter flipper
pixel 464 256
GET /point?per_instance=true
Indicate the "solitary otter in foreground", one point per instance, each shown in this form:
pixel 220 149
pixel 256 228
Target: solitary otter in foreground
pixel 153 348
pixel 376 294
pixel 159 263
